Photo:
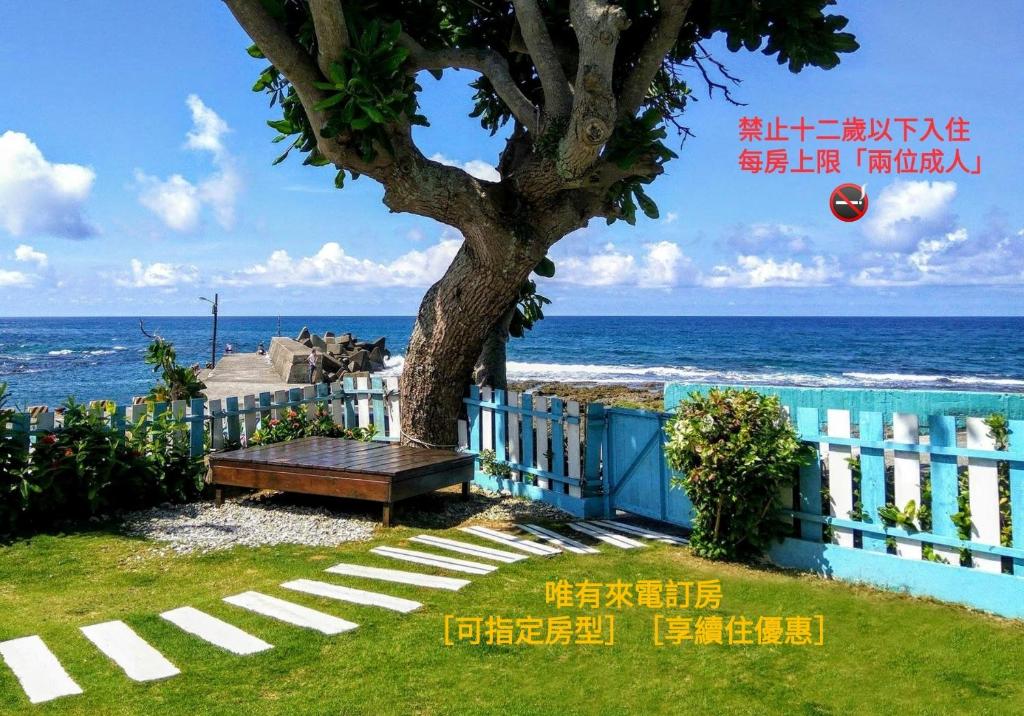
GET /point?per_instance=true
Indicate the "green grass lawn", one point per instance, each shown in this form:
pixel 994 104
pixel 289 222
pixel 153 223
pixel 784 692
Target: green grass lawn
pixel 884 653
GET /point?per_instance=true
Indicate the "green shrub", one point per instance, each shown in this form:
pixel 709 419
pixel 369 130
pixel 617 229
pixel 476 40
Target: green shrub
pixel 13 461
pixel 735 452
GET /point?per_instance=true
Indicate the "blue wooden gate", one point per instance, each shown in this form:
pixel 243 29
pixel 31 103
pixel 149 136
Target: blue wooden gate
pixel 635 472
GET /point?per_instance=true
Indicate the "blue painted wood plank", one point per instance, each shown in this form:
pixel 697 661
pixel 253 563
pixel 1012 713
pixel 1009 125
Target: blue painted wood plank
pixel 1017 492
pixel 808 423
pixel 197 426
pixel 234 421
pixel 349 385
pixel 473 416
pixel 526 426
pixel 872 478
pixel 500 425
pixel 295 398
pixel 885 401
pixel 945 486
pixel 556 408
pixel 377 386
pixel 265 399
pixel 594 438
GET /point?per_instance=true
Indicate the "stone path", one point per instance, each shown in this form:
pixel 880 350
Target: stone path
pixel 43 678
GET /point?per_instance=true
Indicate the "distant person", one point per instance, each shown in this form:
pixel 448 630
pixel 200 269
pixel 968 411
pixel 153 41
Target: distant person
pixel 314 357
pixel 261 351
pixel 229 348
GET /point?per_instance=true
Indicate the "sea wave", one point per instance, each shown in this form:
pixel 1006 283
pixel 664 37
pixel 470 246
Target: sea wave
pixel 632 374
pixel 61 352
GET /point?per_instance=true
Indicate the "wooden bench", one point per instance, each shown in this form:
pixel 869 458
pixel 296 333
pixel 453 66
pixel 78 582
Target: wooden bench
pixel 335 467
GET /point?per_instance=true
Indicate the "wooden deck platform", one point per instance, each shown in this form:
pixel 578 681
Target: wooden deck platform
pixel 375 471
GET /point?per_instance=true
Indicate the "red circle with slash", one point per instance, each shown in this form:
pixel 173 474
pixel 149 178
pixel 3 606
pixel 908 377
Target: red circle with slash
pixel 848 202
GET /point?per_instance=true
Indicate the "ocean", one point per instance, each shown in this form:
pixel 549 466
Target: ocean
pixel 43 360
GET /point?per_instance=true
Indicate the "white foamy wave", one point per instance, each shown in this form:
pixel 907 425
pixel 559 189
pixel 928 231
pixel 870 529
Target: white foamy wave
pixel 631 374
pixel 120 348
pixel 101 352
pixel 62 352
pixel 904 378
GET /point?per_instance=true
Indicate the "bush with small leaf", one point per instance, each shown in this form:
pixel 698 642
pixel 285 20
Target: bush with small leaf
pixel 734 452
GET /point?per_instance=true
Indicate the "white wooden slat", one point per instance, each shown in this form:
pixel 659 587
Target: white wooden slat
pixel 139 660
pixel 463 435
pixel 280 398
pixel 907 477
pixel 215 631
pixel 512 541
pixel 44 421
pixel 363 401
pixel 572 432
pixel 434 560
pixel 840 476
pixel 637 531
pixel 398 576
pixel 512 428
pixel 37 669
pixel 216 425
pixel 604 535
pixel 983 494
pixel 290 613
pixel 540 441
pixel 179 408
pixel 395 408
pixel 486 420
pixel 251 417
pixel 355 596
pixel 474 550
pixel 308 393
pixel 560 541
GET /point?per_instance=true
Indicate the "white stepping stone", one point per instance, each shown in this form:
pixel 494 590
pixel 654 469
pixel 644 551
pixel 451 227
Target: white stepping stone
pixel 435 560
pixel 512 541
pixel 398 576
pixel 640 532
pixel 467 548
pixel 215 631
pixel 290 613
pixel 605 536
pixel 139 660
pixel 37 669
pixel 356 596
pixel 560 541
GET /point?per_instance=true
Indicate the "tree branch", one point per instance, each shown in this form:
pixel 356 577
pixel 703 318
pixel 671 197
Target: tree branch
pixel 557 94
pixel 662 38
pixel 598 26
pixel 331 32
pixel 489 63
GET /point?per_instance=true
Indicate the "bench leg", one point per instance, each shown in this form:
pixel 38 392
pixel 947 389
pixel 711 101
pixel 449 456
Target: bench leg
pixel 386 516
pixel 465 490
pixel 218 497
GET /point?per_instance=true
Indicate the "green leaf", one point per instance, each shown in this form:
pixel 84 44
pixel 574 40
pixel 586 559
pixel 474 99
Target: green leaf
pixel 545 268
pixel 255 51
pixel 330 101
pixel 647 204
pixel 339 179
pixel 282 125
pixel 337 73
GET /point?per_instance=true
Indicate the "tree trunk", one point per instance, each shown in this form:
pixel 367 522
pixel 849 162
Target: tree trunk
pixel 455 317
pixel 490 366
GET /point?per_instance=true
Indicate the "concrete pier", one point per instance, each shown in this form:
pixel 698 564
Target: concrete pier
pixel 241 374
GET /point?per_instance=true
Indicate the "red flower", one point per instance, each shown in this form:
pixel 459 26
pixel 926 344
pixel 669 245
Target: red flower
pixel 274 422
pixel 48 439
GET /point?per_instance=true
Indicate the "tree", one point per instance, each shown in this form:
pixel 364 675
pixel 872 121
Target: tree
pixel 585 90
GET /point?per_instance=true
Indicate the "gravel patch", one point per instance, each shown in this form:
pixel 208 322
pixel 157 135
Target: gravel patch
pixel 248 522
pixel 269 518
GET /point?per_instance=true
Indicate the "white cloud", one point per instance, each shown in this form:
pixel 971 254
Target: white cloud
pixel 207 128
pixel 475 167
pixel 14 279
pixel 159 275
pixel 749 238
pixel 40 197
pixel 905 212
pixel 670 217
pixel 27 254
pixel 663 265
pixel 179 202
pixel 759 272
pixel 331 265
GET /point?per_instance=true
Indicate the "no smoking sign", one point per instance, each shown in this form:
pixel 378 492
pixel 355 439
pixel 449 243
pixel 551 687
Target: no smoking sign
pixel 848 202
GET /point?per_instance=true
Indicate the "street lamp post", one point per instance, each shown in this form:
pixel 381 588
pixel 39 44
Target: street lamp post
pixel 213 342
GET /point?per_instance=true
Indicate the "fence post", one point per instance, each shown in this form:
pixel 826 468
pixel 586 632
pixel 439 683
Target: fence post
pixel 234 424
pixel 348 386
pixel 21 425
pixel 595 430
pixel 265 401
pixel 377 385
pixel 216 425
pixel 809 427
pixel 945 485
pixel 526 428
pixel 197 427
pixel 872 478
pixel 1017 491
pixel 557 465
pixel 572 428
pixel 983 495
pixel 473 414
pixel 500 434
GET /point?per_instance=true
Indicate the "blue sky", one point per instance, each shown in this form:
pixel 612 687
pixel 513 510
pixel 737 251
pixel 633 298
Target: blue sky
pixel 135 176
